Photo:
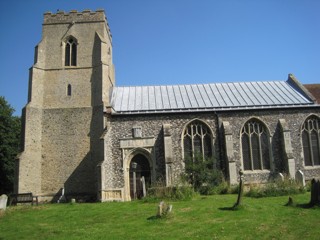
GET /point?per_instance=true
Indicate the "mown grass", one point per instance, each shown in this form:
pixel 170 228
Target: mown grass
pixel 206 217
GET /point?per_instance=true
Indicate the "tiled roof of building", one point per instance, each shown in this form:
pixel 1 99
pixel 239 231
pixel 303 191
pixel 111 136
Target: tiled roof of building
pixel 314 89
pixel 209 97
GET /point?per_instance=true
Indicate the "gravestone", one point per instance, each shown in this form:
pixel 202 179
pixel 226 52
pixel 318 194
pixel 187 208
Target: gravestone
pixel 62 198
pixel 3 202
pixel 280 177
pixel 300 178
pixel 163 209
pixel 240 193
pixel 144 191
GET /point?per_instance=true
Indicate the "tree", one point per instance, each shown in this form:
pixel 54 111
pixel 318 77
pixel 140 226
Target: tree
pixel 202 173
pixel 10 131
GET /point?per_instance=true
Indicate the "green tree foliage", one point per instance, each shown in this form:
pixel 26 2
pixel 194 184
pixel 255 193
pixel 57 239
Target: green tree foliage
pixel 202 173
pixel 10 130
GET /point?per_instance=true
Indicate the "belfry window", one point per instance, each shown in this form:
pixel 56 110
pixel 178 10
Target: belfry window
pixel 311 141
pixel 197 140
pixel 71 52
pixel 255 146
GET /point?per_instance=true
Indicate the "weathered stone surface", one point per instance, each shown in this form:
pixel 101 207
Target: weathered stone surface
pixel 3 202
pixel 300 178
pixel 280 177
pixel 163 209
pixel 62 146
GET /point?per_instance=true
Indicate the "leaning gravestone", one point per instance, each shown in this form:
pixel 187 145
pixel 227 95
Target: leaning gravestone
pixel 240 193
pixel 3 202
pixel 280 177
pixel 300 178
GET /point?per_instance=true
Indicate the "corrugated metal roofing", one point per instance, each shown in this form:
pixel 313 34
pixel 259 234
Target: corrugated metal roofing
pixel 215 96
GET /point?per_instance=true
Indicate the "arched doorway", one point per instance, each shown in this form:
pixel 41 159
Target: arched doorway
pixel 139 167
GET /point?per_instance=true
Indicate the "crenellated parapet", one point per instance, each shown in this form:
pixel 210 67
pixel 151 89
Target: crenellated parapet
pixel 74 16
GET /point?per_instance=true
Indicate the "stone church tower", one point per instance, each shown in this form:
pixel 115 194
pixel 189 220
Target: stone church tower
pixel 69 89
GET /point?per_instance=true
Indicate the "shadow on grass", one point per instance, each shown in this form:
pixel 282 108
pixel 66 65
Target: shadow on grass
pixel 291 203
pixel 304 205
pixel 152 218
pixel 233 208
pixel 162 217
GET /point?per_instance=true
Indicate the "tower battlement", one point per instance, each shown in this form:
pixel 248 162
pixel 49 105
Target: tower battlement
pixel 74 16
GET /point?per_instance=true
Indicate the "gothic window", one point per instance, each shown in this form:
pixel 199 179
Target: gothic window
pixel 255 146
pixel 311 141
pixel 197 139
pixel 71 52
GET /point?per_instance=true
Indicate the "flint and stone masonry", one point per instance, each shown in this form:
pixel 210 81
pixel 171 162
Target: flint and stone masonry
pixel 77 137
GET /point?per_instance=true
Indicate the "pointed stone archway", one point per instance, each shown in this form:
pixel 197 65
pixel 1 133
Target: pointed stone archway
pixel 139 168
pixel 145 166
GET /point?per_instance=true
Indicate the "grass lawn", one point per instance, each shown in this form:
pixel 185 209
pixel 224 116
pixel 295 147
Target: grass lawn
pixel 205 217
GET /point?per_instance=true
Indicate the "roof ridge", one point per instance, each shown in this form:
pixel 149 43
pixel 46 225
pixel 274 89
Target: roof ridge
pixel 196 84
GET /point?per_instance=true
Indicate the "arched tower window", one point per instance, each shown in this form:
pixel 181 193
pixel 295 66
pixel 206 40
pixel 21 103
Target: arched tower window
pixel 197 139
pixel 311 141
pixel 255 146
pixel 71 52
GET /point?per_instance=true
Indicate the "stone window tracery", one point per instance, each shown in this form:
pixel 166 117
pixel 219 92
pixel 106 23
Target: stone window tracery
pixel 255 146
pixel 71 52
pixel 311 141
pixel 197 139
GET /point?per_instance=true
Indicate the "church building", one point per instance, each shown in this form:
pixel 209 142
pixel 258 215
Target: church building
pixel 90 139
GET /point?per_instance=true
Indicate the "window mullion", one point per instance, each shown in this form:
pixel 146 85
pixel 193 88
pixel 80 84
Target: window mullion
pixel 192 142
pixel 202 141
pixel 70 56
pixel 70 53
pixel 260 148
pixel 250 147
pixel 310 145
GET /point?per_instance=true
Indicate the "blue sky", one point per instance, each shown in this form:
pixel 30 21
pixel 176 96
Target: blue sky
pixel 163 42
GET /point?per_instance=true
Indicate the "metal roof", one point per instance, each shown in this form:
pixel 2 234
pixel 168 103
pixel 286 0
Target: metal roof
pixel 207 97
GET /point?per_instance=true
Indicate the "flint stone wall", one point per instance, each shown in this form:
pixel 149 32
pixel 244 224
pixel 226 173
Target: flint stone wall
pixel 121 127
pixel 294 118
pixel 152 126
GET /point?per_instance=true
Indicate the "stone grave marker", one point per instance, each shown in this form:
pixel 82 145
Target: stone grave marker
pixel 164 209
pixel 143 181
pixel 280 177
pixel 300 178
pixel 3 202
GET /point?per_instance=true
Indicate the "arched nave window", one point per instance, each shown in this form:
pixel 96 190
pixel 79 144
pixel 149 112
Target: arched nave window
pixel 197 139
pixel 311 141
pixel 71 52
pixel 255 146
